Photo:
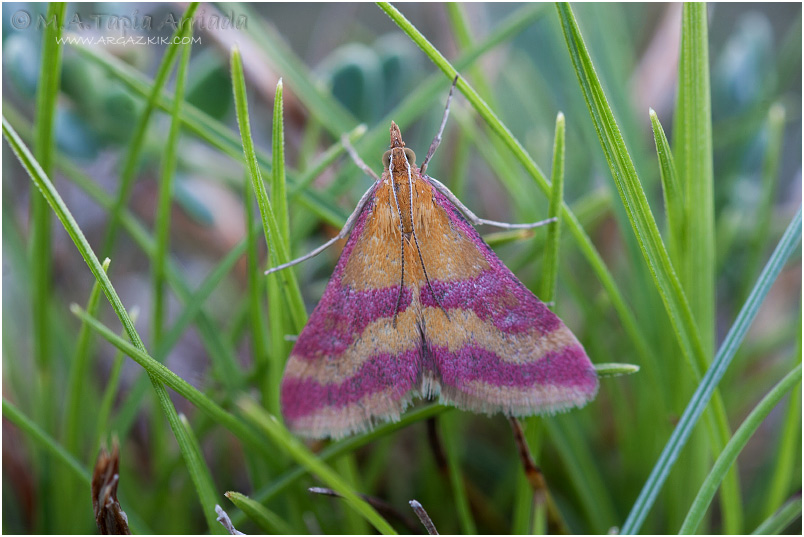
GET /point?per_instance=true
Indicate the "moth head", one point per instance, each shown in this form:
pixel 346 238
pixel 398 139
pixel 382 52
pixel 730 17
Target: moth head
pixel 409 155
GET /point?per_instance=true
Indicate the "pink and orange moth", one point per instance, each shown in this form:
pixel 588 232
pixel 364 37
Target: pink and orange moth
pixel 420 306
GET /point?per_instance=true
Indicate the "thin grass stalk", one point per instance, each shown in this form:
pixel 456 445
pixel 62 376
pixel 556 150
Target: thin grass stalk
pixel 47 93
pixel 449 438
pixel 778 522
pixel 256 313
pixel 107 401
pixel 584 242
pixel 346 466
pixel 78 372
pixel 221 353
pixel 45 186
pixel 734 448
pixel 32 429
pixel 129 166
pixel 671 188
pixel 202 478
pixel 313 463
pixel 276 248
pixel 276 305
pixel 647 233
pixel 702 395
pixel 181 386
pixel 549 278
pixel 164 201
pixel 266 519
pixel 341 447
pixel 770 183
pixel 692 147
pixel 783 475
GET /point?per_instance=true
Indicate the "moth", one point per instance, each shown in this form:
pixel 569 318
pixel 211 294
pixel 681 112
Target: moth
pixel 420 306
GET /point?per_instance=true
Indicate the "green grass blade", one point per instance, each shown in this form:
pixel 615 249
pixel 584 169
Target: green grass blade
pixel 129 167
pixel 706 388
pixel 182 387
pixel 733 449
pixel 222 354
pixel 47 93
pixel 673 193
pixel 278 182
pixel 276 247
pixel 201 476
pixel 450 439
pixel 78 372
pixel 266 519
pixel 573 225
pixel 45 186
pixel 550 263
pixel 770 182
pixel 107 400
pixel 164 201
pixel 782 479
pixel 647 233
pixel 276 307
pixel 778 522
pixel 32 429
pixel 256 312
pixel 293 447
pixel 342 447
pixel 692 147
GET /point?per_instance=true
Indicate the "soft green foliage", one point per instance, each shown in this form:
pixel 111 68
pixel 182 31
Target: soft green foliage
pixel 677 264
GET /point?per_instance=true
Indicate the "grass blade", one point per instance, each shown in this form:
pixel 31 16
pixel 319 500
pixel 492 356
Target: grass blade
pixel 692 147
pixel 733 449
pixel 647 234
pixel 550 263
pixel 32 429
pixel 266 519
pixel 293 447
pixel 449 437
pixel 673 194
pixel 165 195
pixel 342 447
pixel 181 386
pixel 276 246
pixel 779 521
pixel 201 476
pixel 703 393
pixel 78 372
pixel 129 167
pixel 276 309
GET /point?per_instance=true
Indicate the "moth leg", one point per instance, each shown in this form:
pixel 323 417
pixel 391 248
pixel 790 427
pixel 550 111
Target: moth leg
pixel 476 220
pixel 344 232
pixel 437 140
pixel 356 158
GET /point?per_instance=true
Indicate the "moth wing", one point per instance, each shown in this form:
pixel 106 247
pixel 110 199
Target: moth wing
pixel 351 367
pixel 502 349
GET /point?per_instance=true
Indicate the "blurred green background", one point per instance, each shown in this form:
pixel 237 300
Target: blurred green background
pixel 348 64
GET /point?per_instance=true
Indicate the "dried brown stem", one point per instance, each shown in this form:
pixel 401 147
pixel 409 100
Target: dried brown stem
pixel 424 517
pixel 535 477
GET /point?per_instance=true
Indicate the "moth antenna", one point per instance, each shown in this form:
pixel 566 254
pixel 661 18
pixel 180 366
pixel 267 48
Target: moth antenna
pixel 356 158
pixel 476 220
pixel 437 140
pixel 342 234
